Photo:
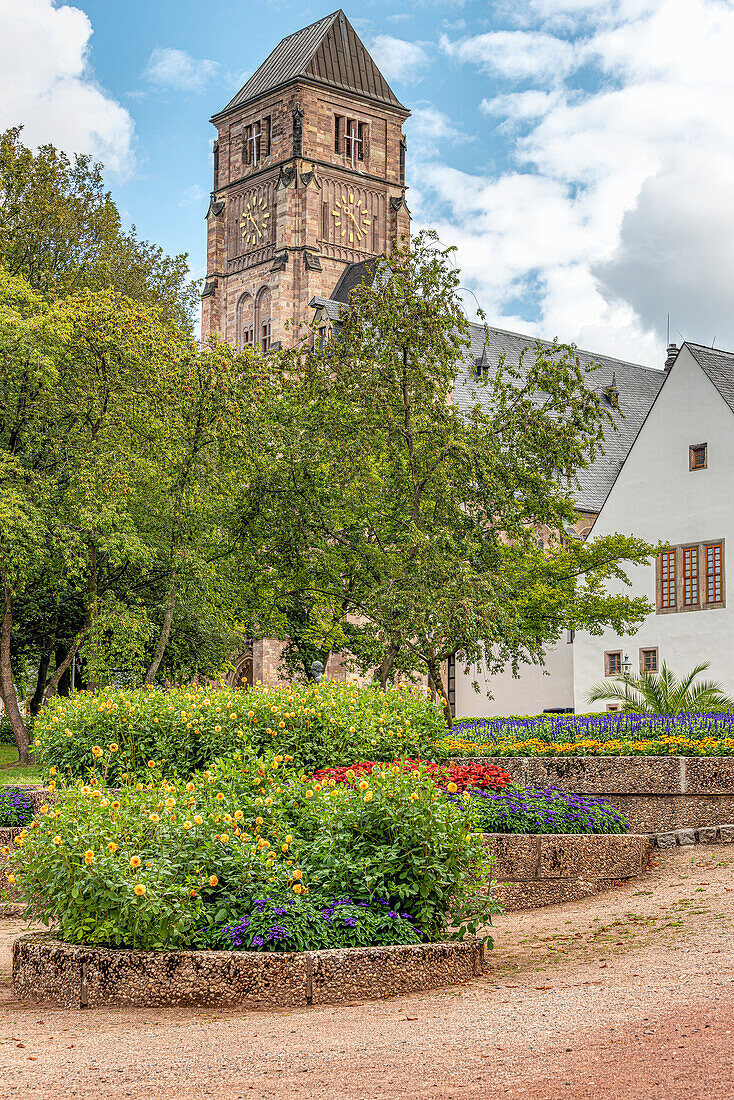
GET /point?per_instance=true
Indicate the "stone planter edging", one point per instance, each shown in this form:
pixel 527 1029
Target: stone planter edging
pixel 48 971
pixel 533 870
pixel 655 793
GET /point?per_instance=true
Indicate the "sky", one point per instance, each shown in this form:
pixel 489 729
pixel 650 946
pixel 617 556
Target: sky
pixel 578 153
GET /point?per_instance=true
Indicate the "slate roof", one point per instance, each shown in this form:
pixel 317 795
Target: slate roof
pixel 352 276
pixel 328 52
pixel 637 387
pixel 719 366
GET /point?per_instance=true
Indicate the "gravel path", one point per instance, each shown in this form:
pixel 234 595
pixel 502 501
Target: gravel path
pixel 628 995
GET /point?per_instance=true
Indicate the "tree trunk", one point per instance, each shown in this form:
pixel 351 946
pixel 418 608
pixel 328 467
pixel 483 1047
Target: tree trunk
pixel 163 636
pixel 37 700
pixel 386 666
pixel 436 682
pixel 65 664
pixel 7 687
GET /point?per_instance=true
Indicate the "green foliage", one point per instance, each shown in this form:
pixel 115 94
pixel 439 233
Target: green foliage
pixel 162 865
pixel 61 231
pixel 662 692
pixel 404 529
pixel 183 729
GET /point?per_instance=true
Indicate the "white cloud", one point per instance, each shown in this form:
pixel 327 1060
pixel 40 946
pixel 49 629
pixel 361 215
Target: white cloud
pixel 427 127
pixel 49 88
pixel 397 59
pixel 178 70
pixel 615 207
pixel 517 55
pixel 193 195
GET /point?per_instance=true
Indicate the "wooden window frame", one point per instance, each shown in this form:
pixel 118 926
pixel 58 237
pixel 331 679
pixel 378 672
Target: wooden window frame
pixel 608 654
pixel 614 706
pixel 702 556
pixel 649 649
pixel 693 451
pixel 690 578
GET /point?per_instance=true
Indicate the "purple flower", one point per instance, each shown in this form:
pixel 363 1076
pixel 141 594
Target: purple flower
pixel 257 941
pixel 351 921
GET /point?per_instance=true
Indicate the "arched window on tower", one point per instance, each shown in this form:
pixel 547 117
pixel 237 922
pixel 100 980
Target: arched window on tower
pixel 245 321
pixel 263 318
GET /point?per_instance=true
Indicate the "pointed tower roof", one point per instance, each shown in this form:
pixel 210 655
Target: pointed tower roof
pixel 327 52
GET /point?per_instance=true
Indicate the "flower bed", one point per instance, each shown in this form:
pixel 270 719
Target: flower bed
pixel 48 971
pixel 531 810
pixel 161 865
pixel 462 777
pixel 592 735
pixel 183 729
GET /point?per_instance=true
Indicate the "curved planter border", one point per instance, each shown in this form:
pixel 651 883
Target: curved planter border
pixel 550 868
pixel 48 971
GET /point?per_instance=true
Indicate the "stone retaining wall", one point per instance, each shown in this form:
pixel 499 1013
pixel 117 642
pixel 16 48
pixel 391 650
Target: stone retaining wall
pixel 655 793
pixel 47 971
pixel 533 871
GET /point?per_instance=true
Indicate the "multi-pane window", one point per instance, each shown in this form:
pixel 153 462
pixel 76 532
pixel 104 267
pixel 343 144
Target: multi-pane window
pixel 256 142
pixel 649 660
pixel 714 573
pixel 690 576
pixel 698 456
pixel 613 663
pixel 667 579
pixel 265 335
pixel 350 139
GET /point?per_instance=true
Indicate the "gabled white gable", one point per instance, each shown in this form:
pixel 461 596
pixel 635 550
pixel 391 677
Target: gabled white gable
pixel 657 497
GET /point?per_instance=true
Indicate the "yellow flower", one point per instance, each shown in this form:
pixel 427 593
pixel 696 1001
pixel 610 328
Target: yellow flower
pixel 11 879
pixel 52 772
pixel 297 888
pixel 112 846
pixel 220 797
pixel 298 874
pixel 170 803
pixel 238 815
pixel 96 750
pixel 213 880
pixel 115 805
pixel 289 839
pixel 363 785
pixel 19 840
pixel 114 747
pixel 258 821
pixel 284 847
pixel 154 818
pixel 192 893
pixel 452 788
pixel 96 794
pixel 139 890
pixel 189 787
pixel 233 716
pixel 89 856
pixel 52 785
pixel 138 786
pixel 135 861
pixel 224 839
pixel 309 794
pixel 217 729
pixel 187 825
pixel 198 820
pixel 350 774
pixel 369 796
pixel 151 763
pixel 57 841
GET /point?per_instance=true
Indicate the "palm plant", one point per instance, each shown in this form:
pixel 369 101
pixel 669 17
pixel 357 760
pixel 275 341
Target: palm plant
pixel 662 692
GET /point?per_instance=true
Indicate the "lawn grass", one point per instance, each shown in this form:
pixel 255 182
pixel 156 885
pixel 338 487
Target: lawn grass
pixel 13 776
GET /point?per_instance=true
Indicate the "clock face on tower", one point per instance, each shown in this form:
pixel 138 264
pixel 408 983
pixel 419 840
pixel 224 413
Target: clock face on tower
pixel 254 224
pixel 351 221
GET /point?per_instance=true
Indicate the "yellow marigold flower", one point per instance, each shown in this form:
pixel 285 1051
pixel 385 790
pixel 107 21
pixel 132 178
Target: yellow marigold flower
pixel 192 893
pixel 52 772
pixel 309 794
pixel 187 825
pixel 363 785
pixel 258 821
pixel 114 746
pixel 217 729
pixel 170 803
pixel 220 797
pixel 112 846
pixel 139 890
pixel 151 763
pixel 234 716
pixel 297 888
pixel 89 856
pixel 289 839
pixel 19 840
pixel 224 839
pixel 213 880
pixel 189 787
pixel 154 818
pixel 135 861
pixel 284 847
pixel 57 841
pixel 369 796
pixel 96 750
pixel 11 879
pixel 198 820
pixel 238 815
pixel 298 875
pixel 350 774
pixel 452 788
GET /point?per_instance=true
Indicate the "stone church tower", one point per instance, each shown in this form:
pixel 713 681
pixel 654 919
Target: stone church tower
pixel 309 179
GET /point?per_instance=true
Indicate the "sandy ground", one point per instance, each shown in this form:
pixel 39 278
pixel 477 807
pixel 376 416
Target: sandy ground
pixel 628 995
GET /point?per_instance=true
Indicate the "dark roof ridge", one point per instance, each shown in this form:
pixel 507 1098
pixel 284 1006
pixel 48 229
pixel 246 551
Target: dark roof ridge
pixel 548 343
pixel 706 348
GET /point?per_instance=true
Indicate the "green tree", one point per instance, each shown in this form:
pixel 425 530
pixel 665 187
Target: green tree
pixel 407 527
pixel 61 231
pixel 662 693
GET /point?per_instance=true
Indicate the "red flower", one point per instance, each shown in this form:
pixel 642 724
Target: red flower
pixel 465 776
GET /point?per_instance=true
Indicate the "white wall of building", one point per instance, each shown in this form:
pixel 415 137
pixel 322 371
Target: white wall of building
pixel 537 688
pixel 658 498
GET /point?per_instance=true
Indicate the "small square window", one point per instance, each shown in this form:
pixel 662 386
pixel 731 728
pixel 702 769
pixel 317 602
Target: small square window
pixel 613 706
pixel 613 663
pixel 649 660
pixel 698 456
